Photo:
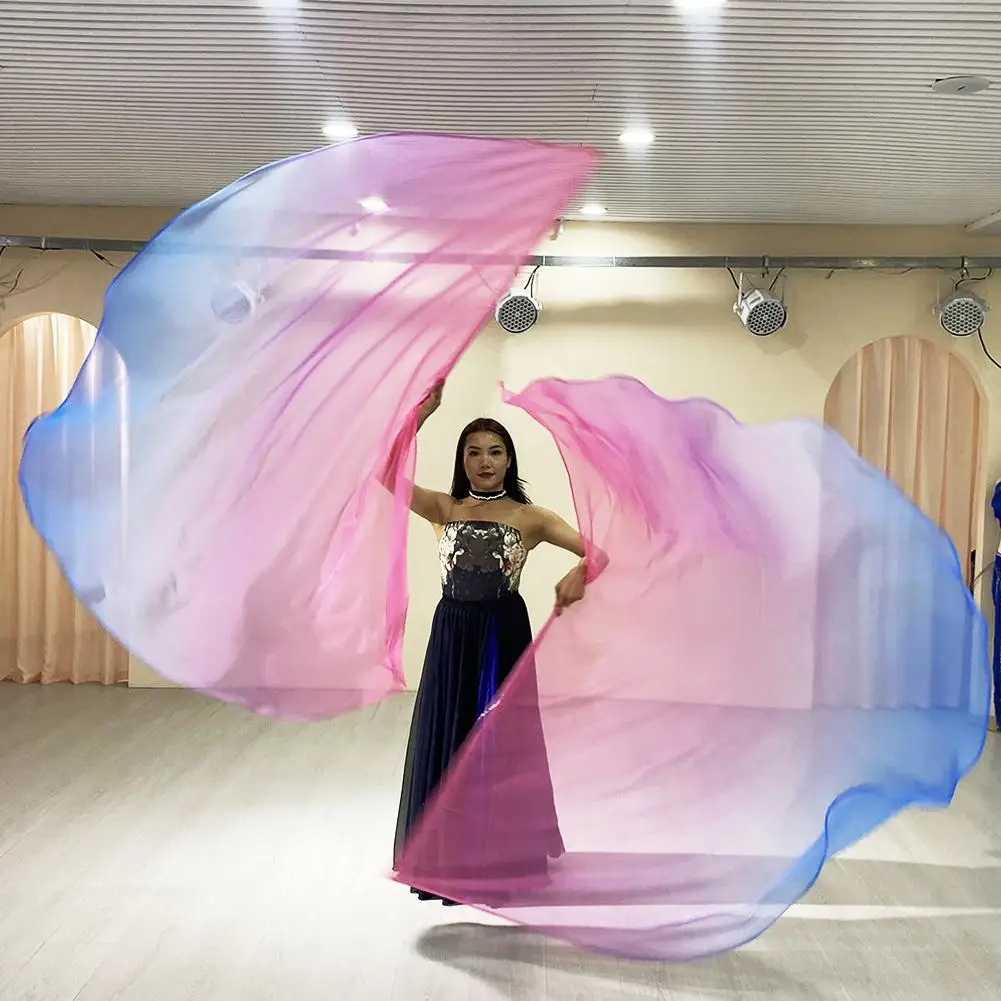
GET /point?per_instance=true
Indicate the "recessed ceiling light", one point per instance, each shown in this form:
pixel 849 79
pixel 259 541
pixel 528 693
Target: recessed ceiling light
pixel 375 205
pixel 340 130
pixel 636 138
pixel 592 208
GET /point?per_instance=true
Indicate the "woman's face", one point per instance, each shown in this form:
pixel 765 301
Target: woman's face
pixel 485 460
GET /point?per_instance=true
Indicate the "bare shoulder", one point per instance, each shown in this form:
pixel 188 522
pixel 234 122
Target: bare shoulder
pixel 449 510
pixel 539 517
pixel 535 523
pixel 432 505
pixel 548 526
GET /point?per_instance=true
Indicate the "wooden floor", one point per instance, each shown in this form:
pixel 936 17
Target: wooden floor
pixel 156 846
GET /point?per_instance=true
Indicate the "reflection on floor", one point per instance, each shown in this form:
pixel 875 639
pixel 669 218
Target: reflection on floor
pixel 156 846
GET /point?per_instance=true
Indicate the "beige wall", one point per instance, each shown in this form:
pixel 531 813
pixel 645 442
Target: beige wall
pixel 673 329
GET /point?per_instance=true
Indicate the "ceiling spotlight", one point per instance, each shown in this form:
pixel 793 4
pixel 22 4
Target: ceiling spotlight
pixel 637 138
pixel 593 209
pixel 962 313
pixel 517 312
pixel 760 311
pixel 375 205
pixel 339 130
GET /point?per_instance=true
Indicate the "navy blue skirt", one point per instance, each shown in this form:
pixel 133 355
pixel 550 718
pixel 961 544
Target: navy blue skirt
pixel 472 649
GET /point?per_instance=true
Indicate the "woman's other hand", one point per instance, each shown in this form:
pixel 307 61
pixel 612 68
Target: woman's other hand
pixel 571 589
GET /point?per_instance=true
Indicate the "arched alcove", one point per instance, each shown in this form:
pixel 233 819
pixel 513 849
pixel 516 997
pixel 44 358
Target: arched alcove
pixel 46 635
pixel 914 410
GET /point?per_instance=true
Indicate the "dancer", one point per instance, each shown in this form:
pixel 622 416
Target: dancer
pixel 485 526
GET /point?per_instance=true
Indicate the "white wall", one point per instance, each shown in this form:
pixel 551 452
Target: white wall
pixel 673 329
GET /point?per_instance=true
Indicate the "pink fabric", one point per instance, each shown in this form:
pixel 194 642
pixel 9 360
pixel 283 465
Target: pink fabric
pixel 278 338
pixel 780 654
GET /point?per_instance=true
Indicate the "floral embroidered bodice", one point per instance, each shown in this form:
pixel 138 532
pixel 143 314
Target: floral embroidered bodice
pixel 480 560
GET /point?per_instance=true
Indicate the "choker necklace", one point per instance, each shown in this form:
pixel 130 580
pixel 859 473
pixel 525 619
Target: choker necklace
pixel 487 497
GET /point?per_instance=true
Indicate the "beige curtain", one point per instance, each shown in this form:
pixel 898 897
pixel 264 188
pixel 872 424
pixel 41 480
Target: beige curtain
pixel 45 633
pixel 912 409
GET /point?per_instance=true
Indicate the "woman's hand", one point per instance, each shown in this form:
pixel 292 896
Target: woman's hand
pixel 430 404
pixel 571 589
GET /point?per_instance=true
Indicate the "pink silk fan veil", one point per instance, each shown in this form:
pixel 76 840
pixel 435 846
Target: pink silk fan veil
pixel 780 654
pixel 211 484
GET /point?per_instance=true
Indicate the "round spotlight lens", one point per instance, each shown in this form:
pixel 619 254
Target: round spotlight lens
pixel 962 314
pixel 761 313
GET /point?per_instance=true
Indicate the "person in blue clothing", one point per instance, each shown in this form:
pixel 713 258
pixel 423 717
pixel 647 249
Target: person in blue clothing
pixel 996 594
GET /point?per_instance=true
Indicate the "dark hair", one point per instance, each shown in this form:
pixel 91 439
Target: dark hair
pixel 512 482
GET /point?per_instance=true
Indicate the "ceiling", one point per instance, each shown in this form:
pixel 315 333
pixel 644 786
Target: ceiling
pixel 767 111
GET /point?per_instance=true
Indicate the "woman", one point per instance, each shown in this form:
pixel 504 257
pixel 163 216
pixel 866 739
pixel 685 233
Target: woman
pixel 486 527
